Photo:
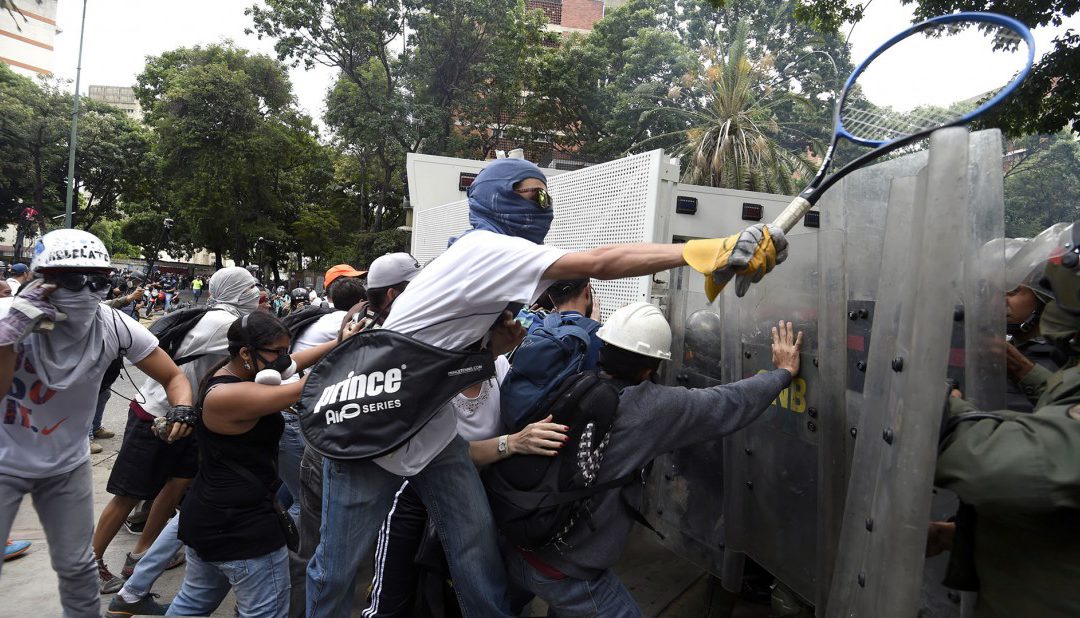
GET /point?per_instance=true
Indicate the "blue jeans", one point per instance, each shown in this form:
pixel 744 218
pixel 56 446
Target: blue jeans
pixel 168 301
pixel 261 586
pixel 357 495
pixel 604 596
pixel 290 451
pixel 152 565
pixel 102 399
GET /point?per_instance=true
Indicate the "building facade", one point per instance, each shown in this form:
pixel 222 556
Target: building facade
pixel 27 34
pixel 122 97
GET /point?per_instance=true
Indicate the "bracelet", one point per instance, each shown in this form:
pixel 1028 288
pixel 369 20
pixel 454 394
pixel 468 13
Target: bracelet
pixel 504 446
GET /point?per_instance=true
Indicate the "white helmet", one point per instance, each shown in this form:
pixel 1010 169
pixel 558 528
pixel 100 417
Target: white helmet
pixel 640 328
pixel 69 249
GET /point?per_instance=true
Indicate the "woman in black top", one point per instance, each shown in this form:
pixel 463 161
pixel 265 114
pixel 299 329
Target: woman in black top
pixel 228 520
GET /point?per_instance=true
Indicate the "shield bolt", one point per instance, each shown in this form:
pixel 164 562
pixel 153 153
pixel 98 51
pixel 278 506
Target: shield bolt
pixel 863 314
pixel 811 412
pixel 870 524
pixel 887 435
pixel 861 365
pixel 854 432
pixel 811 425
pixel 746 354
pixel 750 485
pixel 851 315
pixel 748 451
pixel 862 580
pixel 898 364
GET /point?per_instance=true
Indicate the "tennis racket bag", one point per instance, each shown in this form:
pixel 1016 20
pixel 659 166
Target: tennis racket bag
pixel 373 392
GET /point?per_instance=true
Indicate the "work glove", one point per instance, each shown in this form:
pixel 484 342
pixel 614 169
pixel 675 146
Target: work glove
pixel 30 311
pixel 747 256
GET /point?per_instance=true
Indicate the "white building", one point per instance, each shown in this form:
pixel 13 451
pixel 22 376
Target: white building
pixel 26 36
pixel 122 97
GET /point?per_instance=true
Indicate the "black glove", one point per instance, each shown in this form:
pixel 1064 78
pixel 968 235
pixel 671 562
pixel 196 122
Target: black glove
pixel 183 414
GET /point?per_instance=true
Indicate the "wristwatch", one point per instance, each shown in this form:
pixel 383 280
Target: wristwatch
pixel 504 446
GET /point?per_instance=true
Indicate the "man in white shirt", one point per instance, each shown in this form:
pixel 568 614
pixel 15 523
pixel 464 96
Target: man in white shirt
pixel 458 301
pixel 51 379
pixel 20 274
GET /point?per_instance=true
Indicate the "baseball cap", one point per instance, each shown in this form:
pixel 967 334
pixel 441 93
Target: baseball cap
pixel 341 270
pixel 391 269
pixel 20 269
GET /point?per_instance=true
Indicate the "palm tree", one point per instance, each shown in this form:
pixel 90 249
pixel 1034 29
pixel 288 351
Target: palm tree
pixel 731 141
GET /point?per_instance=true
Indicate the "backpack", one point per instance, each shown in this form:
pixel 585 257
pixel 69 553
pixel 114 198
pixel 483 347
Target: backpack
pixel 298 322
pixel 171 329
pixel 543 361
pixel 536 499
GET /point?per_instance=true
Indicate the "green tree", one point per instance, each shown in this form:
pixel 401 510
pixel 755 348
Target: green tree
pixel 236 157
pixel 733 141
pixel 1042 184
pixel 1046 102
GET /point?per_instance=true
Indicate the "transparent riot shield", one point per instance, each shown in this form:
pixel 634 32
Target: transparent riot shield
pixel 831 489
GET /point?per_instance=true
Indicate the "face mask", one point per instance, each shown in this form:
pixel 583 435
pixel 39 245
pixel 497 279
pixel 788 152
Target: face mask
pixel 79 306
pixel 279 364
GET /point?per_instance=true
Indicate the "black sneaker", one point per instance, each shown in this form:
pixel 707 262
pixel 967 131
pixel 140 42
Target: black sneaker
pixel 146 606
pixel 133 527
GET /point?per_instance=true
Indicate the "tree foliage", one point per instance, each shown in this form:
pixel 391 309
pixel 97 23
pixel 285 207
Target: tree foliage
pixel 1048 101
pixel 1042 184
pixel 237 160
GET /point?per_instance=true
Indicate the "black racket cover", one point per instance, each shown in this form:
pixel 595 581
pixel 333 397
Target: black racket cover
pixel 373 392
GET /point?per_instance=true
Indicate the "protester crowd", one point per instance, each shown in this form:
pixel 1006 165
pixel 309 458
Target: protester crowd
pixel 468 428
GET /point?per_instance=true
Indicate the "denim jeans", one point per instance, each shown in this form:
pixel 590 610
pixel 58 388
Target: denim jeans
pixel 102 399
pixel 152 565
pixel 261 586
pixel 290 451
pixel 604 596
pixel 168 301
pixel 65 507
pixel 357 495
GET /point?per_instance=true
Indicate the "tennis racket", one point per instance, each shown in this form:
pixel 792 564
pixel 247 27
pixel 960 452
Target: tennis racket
pixel 943 72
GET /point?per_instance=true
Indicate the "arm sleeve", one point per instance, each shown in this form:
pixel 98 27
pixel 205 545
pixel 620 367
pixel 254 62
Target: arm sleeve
pixel 117 303
pixel 1033 385
pixel 1028 462
pixel 142 342
pixel 690 416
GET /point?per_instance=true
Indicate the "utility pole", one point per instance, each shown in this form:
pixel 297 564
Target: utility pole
pixel 74 126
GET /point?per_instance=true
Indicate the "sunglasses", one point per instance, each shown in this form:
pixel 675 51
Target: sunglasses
pixel 538 195
pixel 78 281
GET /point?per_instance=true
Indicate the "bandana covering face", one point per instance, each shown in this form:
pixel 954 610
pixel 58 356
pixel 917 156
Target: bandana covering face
pixel 494 206
pixel 71 353
pixel 233 289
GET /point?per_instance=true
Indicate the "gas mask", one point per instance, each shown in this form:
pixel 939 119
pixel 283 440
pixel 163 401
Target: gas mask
pixel 281 368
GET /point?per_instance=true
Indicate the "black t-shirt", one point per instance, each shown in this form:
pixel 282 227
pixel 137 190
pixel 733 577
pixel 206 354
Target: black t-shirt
pixel 225 516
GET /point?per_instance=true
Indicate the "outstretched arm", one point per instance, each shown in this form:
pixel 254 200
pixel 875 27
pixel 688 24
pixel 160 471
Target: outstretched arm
pixel 617 261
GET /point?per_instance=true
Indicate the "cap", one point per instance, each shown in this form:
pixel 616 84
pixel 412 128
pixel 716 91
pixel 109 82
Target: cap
pixel 341 270
pixel 391 269
pixel 20 269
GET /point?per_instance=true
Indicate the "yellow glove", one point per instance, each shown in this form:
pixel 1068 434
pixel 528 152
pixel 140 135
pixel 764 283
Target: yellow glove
pixel 747 256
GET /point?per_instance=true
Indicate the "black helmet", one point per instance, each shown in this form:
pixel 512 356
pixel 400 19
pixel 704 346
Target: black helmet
pixel 299 294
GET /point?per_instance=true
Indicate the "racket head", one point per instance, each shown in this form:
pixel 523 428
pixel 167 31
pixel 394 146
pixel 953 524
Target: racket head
pixel 863 124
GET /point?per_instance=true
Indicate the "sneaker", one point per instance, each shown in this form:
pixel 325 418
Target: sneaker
pixel 129 566
pixel 103 434
pixel 178 558
pixel 96 448
pixel 14 549
pixel 146 606
pixel 134 527
pixel 108 582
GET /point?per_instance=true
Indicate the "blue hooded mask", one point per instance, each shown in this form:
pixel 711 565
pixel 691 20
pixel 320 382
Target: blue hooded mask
pixel 494 206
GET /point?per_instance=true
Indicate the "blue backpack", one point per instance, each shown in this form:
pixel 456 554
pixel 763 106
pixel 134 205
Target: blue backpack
pixel 547 356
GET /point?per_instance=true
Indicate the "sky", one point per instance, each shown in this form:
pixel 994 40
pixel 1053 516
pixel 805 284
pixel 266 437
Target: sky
pixel 121 33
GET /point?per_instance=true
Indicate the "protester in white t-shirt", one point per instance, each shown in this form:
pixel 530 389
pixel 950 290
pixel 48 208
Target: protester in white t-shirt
pixel 20 275
pixel 51 378
pixel 461 299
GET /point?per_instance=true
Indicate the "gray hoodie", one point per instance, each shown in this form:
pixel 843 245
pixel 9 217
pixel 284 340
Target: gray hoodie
pixel 653 420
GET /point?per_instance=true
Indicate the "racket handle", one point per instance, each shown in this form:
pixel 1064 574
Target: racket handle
pixel 791 215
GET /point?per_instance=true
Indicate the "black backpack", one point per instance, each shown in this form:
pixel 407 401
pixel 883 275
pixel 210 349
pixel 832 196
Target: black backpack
pixel 171 329
pixel 299 321
pixel 537 499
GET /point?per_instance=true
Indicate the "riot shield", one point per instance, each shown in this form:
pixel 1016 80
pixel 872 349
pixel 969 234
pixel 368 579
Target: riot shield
pixel 831 489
